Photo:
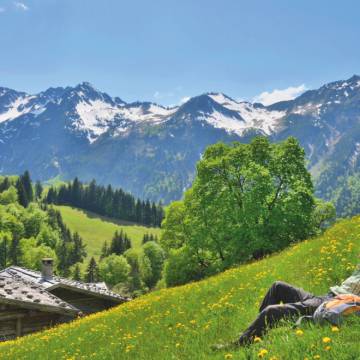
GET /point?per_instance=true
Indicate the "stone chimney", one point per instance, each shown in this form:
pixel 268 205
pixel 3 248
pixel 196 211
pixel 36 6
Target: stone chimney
pixel 47 268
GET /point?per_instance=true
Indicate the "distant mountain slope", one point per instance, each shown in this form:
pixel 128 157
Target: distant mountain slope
pixel 151 150
pixel 183 322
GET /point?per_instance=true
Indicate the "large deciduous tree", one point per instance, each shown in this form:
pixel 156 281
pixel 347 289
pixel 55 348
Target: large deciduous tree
pixel 247 200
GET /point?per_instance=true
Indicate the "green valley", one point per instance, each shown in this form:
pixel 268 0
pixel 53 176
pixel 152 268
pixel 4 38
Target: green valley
pixel 95 229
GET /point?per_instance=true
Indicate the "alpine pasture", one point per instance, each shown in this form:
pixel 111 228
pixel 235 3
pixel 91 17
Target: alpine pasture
pixel 96 229
pixel 183 322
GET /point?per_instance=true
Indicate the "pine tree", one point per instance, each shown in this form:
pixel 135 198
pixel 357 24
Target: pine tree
pixel 147 213
pixel 126 242
pixel 38 190
pixel 4 251
pixel 104 251
pixel 77 273
pixel 5 184
pixel 78 251
pixel 26 180
pixel 138 212
pixel 160 214
pixel 92 272
pixel 22 196
pixel 108 201
pixel 51 196
pixel 62 254
pixel 91 195
pixel 117 244
pixel 153 214
pixel 75 193
pixel 15 251
pixel 145 238
pixel 120 243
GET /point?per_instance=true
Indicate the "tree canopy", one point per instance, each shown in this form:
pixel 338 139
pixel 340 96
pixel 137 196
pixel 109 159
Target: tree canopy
pixel 247 200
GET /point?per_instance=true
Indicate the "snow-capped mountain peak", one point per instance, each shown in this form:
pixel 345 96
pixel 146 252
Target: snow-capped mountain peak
pixel 253 116
pixel 90 112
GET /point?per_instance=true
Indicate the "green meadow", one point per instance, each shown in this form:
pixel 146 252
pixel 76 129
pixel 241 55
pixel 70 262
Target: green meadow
pixel 95 229
pixel 183 322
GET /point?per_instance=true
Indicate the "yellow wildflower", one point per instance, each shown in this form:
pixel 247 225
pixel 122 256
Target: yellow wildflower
pixel 257 339
pixel 316 356
pixel 262 353
pixel 299 332
pixel 334 329
pixel 327 348
pixel 326 340
pixel 228 356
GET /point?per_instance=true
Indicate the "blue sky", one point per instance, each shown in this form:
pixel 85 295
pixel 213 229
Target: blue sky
pixel 166 50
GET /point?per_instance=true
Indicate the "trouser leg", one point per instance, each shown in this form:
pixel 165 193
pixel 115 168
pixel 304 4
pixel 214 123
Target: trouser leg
pixel 269 316
pixel 285 293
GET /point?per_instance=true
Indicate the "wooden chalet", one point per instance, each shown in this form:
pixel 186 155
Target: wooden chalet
pixel 31 300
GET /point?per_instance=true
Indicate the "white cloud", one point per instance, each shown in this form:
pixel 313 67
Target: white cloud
pixel 268 98
pixel 21 6
pixel 2 10
pixel 184 99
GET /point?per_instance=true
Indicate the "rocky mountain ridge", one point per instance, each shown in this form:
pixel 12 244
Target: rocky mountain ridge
pixel 151 150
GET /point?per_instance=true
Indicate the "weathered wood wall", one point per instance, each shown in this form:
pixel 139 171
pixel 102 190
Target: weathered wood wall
pixel 16 321
pixel 86 303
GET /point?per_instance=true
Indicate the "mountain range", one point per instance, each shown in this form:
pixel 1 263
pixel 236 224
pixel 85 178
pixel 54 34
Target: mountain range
pixel 151 150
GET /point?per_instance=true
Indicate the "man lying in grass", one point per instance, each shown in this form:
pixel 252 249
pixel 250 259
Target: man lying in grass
pixel 286 301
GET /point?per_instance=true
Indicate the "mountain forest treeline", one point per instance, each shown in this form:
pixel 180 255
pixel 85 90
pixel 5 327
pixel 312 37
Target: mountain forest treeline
pixel 106 201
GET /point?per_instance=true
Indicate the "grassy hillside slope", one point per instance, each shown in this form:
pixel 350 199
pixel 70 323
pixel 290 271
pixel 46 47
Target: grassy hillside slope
pixel 182 322
pixel 95 229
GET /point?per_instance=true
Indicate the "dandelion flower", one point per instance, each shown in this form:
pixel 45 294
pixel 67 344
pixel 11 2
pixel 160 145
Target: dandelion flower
pixel 228 356
pixel 326 340
pixel 299 332
pixel 257 339
pixel 262 353
pixel 334 329
pixel 327 348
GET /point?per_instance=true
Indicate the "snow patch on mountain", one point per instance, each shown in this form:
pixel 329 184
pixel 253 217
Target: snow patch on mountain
pixel 147 112
pixel 220 121
pixel 254 117
pixel 95 117
pixel 17 108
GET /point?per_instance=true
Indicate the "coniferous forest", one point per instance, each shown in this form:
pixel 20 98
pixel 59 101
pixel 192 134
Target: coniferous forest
pixel 106 201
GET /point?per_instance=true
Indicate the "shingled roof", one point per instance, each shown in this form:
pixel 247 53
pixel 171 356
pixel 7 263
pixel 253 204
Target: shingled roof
pixel 19 292
pixel 42 285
